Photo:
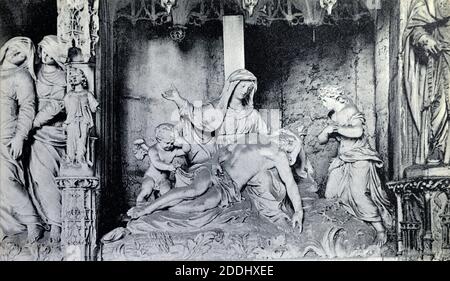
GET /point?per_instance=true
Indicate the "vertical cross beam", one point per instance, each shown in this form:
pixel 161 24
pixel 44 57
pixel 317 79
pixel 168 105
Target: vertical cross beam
pixel 233 43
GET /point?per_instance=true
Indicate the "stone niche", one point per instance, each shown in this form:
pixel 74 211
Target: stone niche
pixel 148 62
pixel 289 65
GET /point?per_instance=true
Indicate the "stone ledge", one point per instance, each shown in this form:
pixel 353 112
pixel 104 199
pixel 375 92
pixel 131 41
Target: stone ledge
pixel 77 182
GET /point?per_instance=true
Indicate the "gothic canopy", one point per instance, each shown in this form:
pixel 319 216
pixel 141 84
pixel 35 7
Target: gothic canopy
pixel 179 14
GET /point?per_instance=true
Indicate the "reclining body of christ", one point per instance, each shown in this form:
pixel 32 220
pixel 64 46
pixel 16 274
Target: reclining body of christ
pixel 219 183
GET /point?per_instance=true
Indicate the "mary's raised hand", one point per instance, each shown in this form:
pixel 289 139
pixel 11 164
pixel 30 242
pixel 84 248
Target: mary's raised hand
pixel 171 94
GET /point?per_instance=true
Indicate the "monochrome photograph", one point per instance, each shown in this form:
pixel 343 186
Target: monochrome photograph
pixel 224 130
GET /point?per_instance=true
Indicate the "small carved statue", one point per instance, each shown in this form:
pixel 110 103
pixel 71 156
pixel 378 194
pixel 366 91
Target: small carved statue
pixel 167 155
pixel 80 104
pixel 353 178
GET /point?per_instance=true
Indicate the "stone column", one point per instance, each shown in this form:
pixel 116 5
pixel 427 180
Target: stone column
pixel 382 79
pixel 78 25
pixel 428 237
pixel 399 221
pixel 79 217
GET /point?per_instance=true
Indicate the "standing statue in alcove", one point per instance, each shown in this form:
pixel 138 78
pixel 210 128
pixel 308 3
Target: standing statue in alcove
pixel 49 138
pixel 427 78
pixel 80 104
pixel 353 178
pixel 17 109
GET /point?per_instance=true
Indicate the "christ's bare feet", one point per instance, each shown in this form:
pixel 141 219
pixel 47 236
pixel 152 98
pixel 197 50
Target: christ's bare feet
pixel 34 233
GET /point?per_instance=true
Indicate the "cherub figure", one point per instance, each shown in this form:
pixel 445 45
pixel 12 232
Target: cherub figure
pixel 166 156
pixel 80 104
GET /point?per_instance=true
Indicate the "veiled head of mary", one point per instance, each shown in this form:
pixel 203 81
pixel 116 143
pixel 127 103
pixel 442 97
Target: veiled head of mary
pixel 241 85
pixel 50 51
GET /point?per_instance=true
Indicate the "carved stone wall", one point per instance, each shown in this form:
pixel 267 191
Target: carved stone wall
pixel 33 19
pixel 148 61
pixel 291 67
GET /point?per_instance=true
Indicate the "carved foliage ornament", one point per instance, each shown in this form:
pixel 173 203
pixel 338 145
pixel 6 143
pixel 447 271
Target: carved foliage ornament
pixel 78 25
pixel 328 5
pixel 260 12
pixel 249 6
pixel 168 4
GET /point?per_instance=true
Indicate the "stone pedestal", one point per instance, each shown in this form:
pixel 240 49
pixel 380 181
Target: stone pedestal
pixel 423 213
pixel 79 217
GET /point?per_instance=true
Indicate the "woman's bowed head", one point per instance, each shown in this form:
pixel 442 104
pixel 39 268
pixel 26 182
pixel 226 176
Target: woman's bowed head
pixel 334 100
pixel 18 52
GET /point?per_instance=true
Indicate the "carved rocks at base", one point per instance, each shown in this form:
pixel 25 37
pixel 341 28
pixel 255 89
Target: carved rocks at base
pixel 329 232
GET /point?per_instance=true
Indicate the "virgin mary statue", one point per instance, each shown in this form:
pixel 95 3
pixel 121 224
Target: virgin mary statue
pixel 222 121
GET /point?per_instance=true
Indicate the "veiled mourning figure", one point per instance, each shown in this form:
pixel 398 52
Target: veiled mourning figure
pixel 427 78
pixel 353 178
pixel 221 121
pixel 17 100
pixel 49 138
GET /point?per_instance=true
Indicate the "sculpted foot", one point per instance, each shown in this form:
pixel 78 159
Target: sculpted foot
pixel 34 233
pixel 55 234
pixel 381 238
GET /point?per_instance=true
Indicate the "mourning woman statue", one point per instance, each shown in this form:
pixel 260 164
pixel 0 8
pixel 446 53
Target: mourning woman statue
pixel 222 120
pixel 353 178
pixel 49 139
pixel 427 78
pixel 17 100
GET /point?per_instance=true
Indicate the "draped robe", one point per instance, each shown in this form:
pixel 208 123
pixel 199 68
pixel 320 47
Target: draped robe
pixel 427 77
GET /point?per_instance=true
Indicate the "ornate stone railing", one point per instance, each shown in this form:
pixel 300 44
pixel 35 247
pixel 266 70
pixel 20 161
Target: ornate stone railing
pixel 423 216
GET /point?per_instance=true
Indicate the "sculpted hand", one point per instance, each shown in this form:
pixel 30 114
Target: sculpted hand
pixel 297 219
pixel 330 129
pixel 172 168
pixel 431 46
pixel 36 124
pixel 171 94
pixel 134 213
pixel 16 145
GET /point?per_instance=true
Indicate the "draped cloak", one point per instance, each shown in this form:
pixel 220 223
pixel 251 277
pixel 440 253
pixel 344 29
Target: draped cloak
pixel 427 80
pixel 49 139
